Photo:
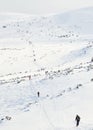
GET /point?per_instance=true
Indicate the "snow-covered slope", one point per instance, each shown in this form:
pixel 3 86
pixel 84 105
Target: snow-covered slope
pixel 53 55
pixel 67 26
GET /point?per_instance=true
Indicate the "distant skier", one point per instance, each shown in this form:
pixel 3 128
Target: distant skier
pixel 77 120
pixel 29 77
pixel 38 94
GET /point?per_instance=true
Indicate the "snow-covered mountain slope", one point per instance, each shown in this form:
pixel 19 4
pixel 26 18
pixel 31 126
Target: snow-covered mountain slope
pixel 53 55
pixel 73 25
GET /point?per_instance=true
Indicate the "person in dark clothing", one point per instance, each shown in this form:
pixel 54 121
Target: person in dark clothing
pixel 38 94
pixel 77 120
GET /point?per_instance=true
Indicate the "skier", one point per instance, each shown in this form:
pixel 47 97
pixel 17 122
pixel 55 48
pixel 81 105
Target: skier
pixel 29 77
pixel 77 120
pixel 38 94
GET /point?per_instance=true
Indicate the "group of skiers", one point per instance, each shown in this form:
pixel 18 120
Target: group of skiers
pixel 77 119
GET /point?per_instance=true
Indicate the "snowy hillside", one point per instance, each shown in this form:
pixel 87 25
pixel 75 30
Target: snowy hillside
pixel 52 55
pixel 67 26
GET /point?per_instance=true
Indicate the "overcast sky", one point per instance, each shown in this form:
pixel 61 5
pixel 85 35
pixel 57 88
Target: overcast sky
pixel 42 6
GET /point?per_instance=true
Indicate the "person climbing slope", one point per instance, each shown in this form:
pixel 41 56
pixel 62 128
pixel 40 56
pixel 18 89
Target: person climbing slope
pixel 38 94
pixel 77 119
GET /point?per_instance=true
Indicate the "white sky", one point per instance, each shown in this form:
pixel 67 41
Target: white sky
pixel 42 6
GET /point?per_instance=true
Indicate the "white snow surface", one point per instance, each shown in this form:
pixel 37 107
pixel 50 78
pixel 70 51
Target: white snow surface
pixel 53 55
